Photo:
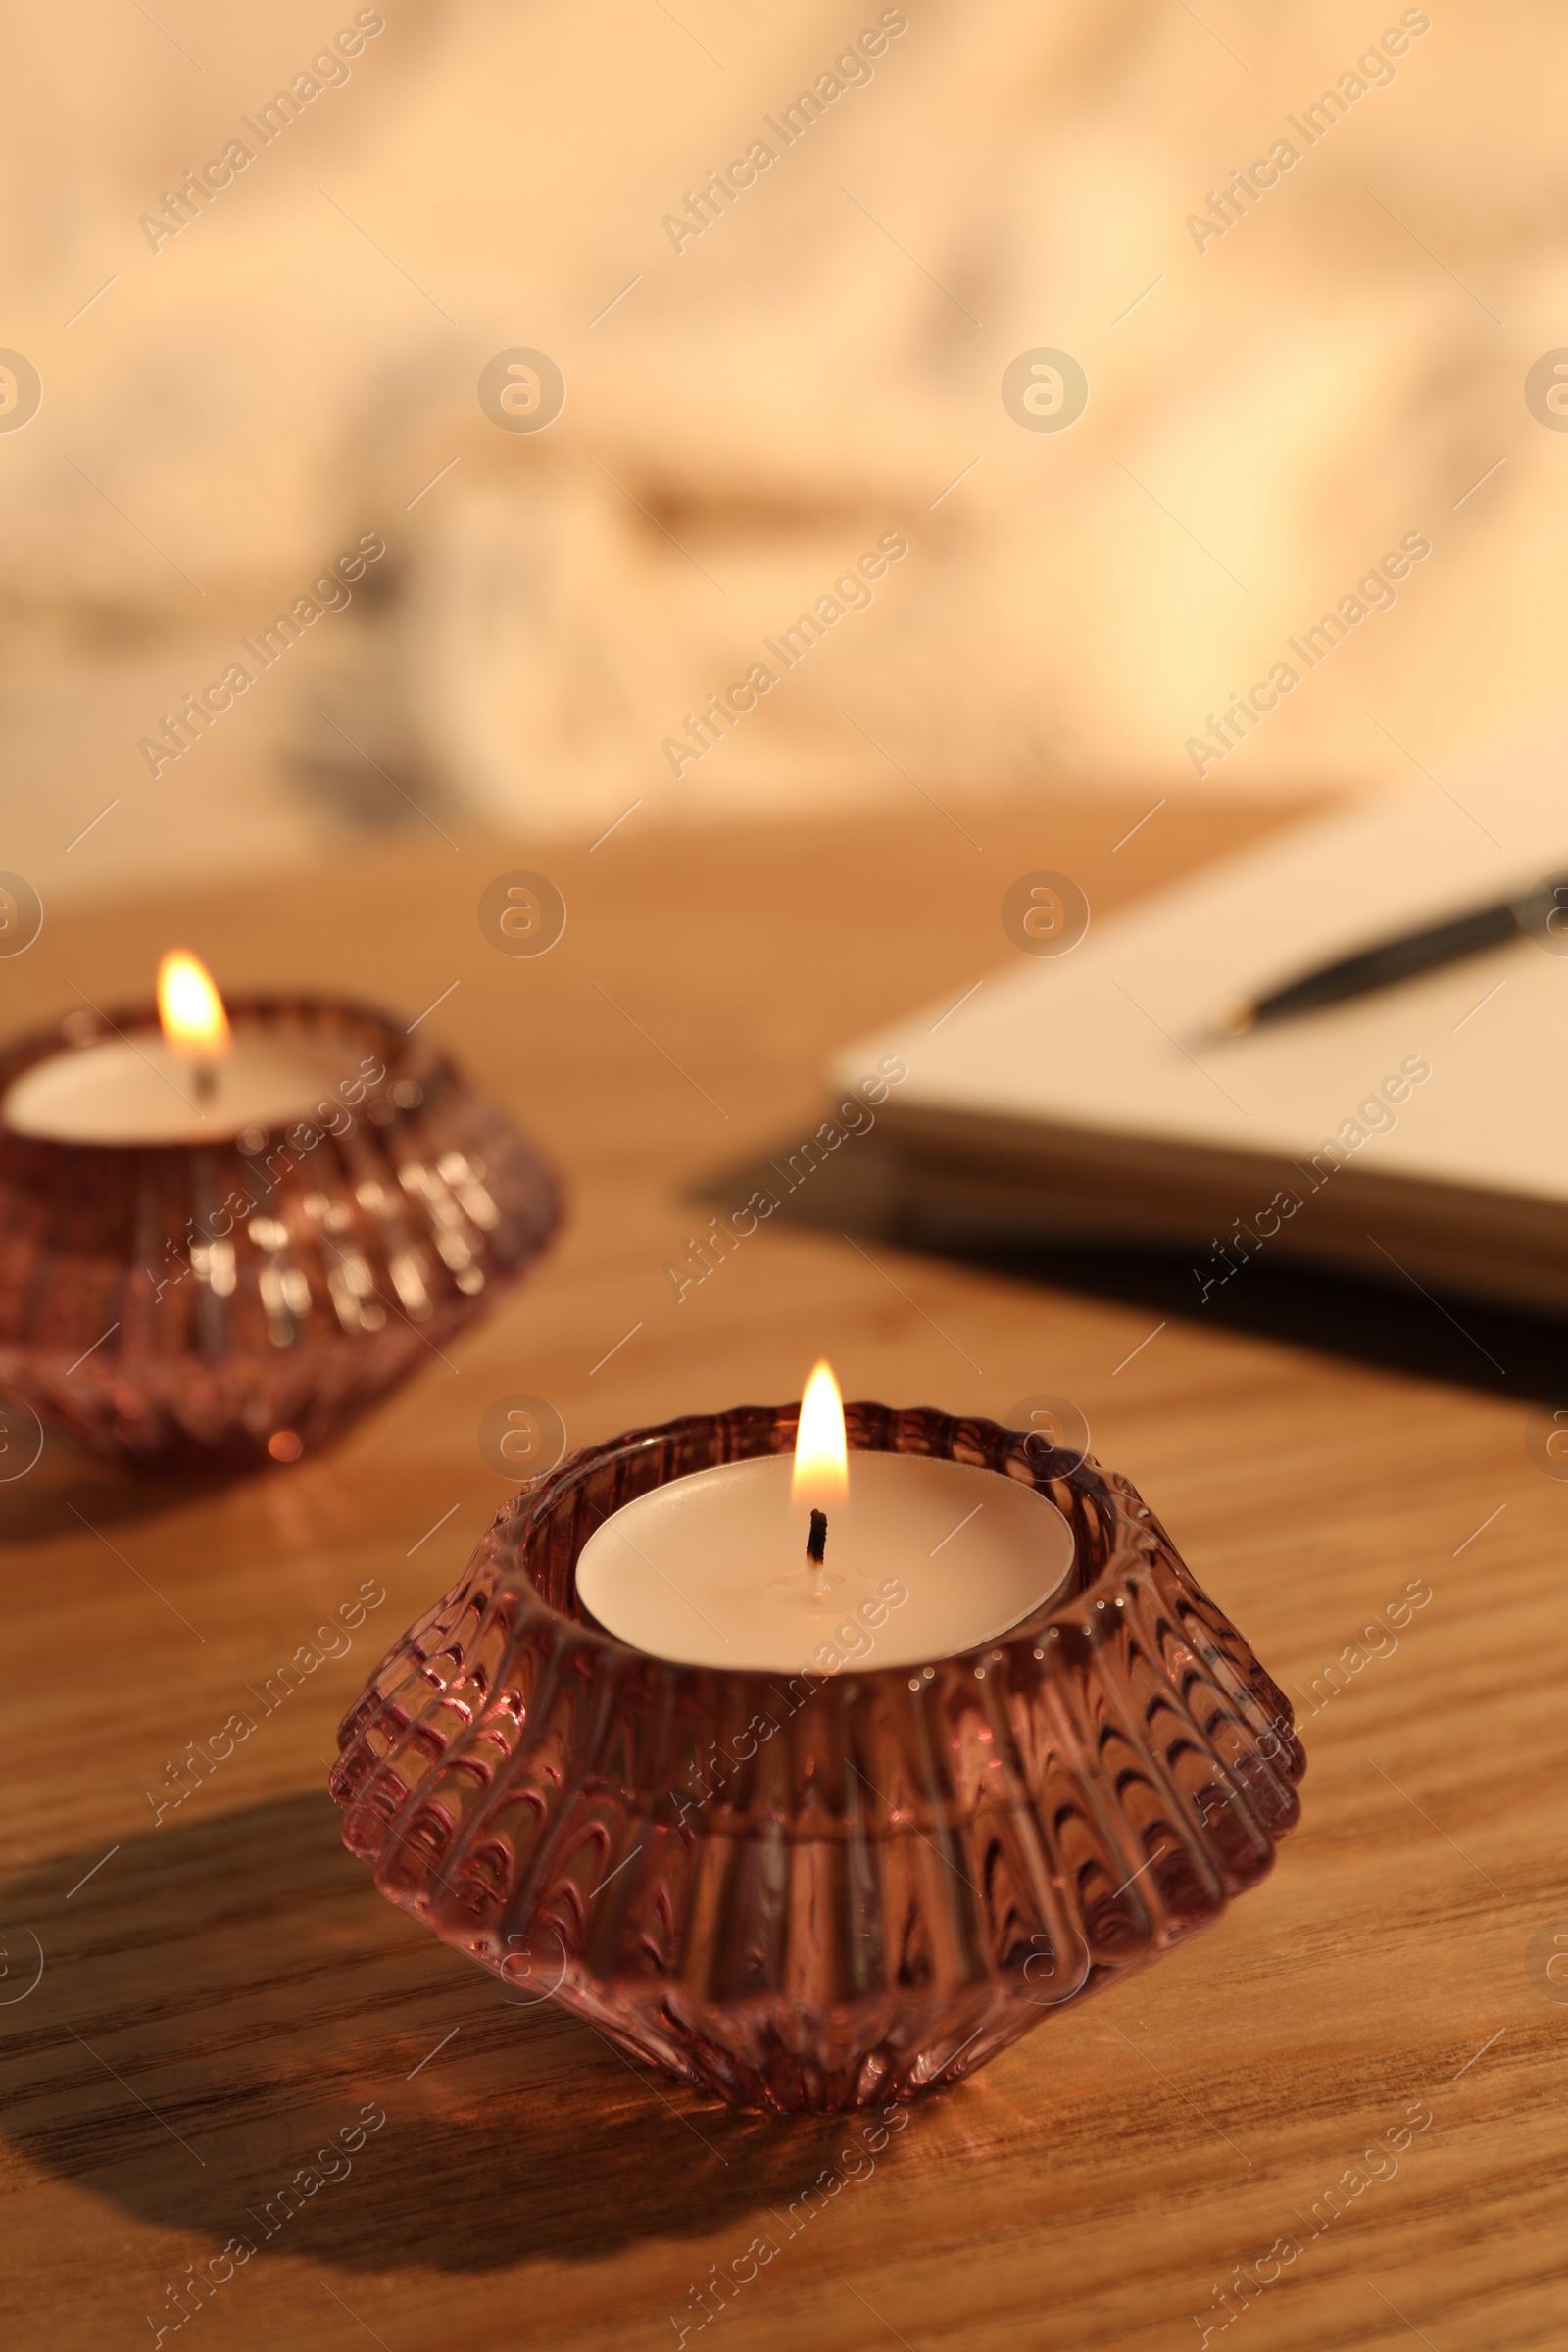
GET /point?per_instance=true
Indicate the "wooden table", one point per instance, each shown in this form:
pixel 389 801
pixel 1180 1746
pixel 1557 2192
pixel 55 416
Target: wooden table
pixel 222 1990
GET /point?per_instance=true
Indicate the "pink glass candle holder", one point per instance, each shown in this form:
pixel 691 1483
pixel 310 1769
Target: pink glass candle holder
pixel 196 1304
pixel 809 1892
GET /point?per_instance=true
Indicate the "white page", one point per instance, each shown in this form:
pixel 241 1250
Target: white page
pixel 1095 1040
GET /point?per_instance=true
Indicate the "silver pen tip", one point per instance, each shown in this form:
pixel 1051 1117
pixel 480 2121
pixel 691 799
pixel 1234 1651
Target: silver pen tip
pixel 1234 1017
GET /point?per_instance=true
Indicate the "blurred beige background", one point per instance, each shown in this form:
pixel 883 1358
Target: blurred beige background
pixel 226 414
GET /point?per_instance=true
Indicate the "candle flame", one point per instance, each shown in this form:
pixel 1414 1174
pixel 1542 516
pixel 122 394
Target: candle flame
pixel 821 1453
pixel 190 1010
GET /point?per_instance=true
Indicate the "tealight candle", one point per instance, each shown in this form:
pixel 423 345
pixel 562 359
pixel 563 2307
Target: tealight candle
pixel 195 1083
pixel 817 1892
pixel 825 1563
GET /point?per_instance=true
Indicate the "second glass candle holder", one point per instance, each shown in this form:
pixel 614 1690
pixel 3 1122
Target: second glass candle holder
pixel 808 1892
pixel 218 1305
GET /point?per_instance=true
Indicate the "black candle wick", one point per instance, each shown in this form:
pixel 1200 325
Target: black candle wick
pixel 817 1541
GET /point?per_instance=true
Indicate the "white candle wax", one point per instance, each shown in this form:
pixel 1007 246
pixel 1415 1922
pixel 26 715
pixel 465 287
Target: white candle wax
pixel 137 1090
pixel 925 1558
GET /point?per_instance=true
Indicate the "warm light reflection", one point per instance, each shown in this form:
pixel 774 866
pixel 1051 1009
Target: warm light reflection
pixel 822 1455
pixel 190 1010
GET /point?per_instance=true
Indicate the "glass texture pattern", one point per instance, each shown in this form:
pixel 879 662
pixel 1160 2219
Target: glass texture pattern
pixel 806 1892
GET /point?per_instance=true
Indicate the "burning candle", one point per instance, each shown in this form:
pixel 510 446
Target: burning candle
pixel 827 1561
pixel 190 1081
pixel 191 1016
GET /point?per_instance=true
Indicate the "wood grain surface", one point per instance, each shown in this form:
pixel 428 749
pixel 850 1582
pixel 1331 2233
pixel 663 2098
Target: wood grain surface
pixel 222 1993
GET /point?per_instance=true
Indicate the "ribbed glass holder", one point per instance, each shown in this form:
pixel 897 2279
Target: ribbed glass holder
pixel 218 1305
pixel 805 1892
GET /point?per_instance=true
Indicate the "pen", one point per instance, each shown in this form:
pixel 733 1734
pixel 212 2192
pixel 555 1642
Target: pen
pixel 1542 908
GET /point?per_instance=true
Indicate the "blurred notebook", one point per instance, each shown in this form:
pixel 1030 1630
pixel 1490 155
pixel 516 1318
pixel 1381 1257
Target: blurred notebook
pixel 1082 1099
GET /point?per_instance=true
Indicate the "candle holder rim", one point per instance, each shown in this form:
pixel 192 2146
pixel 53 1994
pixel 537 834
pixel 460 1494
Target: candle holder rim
pixel 1127 1519
pixel 69 1033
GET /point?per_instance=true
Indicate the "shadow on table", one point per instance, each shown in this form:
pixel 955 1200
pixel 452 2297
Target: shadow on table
pixel 1397 1325
pixel 1452 1340
pixel 67 1487
pixel 221 1998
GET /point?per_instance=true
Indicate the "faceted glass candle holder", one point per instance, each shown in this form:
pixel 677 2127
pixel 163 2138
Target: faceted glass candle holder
pixel 223 1305
pixel 800 1892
